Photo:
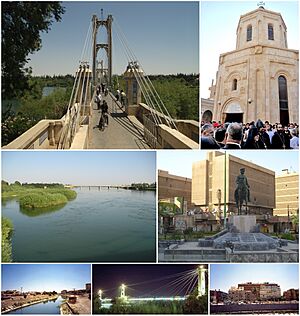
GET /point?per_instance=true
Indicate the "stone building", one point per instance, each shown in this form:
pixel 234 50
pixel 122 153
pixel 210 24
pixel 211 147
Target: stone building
pixel 287 194
pixel 208 184
pixel 254 291
pixel 291 295
pixel 259 79
pixel 171 186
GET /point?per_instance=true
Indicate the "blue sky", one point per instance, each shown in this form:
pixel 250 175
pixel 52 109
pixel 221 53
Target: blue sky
pixel 270 159
pixel 79 168
pixel 218 23
pixel 163 35
pixel 223 276
pixel 45 277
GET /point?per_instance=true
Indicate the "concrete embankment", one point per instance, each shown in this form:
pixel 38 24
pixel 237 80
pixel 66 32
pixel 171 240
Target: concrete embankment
pixel 15 303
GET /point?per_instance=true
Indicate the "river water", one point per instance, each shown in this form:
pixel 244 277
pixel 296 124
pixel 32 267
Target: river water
pixel 50 307
pixel 99 225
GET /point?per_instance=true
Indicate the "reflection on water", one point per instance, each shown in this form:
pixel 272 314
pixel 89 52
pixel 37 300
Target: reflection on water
pixel 99 225
pixel 40 211
pixel 47 307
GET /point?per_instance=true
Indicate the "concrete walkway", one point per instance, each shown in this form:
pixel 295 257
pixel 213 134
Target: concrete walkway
pixel 122 132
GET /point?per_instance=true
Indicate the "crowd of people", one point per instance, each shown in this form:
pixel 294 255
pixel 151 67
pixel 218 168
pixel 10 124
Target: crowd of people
pixel 253 135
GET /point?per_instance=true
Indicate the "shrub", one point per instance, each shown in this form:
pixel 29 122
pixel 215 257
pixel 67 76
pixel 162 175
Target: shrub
pixel 6 248
pixel 38 200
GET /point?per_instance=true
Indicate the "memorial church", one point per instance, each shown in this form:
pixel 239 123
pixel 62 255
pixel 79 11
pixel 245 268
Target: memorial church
pixel 259 79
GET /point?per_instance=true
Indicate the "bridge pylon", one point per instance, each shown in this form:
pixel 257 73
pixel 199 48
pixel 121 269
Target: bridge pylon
pixel 107 46
pixel 123 296
pixel 201 281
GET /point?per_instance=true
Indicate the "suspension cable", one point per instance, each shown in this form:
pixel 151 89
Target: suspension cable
pixel 168 117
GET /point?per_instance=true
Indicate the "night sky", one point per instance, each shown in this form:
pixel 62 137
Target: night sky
pixel 142 280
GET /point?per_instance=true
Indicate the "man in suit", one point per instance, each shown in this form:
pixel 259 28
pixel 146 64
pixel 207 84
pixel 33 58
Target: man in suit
pixel 234 135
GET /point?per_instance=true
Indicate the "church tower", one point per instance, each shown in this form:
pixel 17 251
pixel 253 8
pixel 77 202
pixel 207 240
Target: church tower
pixel 259 79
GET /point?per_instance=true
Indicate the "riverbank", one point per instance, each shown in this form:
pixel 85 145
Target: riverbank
pixel 18 302
pixel 6 246
pixel 81 306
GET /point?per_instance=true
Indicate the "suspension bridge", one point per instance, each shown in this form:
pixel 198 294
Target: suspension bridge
pixel 178 286
pixel 132 124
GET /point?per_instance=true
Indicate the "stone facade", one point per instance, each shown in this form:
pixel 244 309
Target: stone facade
pixel 254 291
pixel 208 184
pixel 287 194
pixel 171 186
pixel 247 83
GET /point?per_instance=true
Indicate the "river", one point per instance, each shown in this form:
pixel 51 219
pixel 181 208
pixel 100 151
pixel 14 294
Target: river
pixel 99 225
pixel 49 307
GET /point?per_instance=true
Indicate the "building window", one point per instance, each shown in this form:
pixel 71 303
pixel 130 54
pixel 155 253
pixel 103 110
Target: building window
pixel 283 100
pixel 270 32
pixel 234 84
pixel 283 97
pixel 249 33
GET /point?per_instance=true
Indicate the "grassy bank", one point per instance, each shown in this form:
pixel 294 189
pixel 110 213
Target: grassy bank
pixel 42 200
pixel 31 198
pixel 6 249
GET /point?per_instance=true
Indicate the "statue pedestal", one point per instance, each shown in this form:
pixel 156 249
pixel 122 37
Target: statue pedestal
pixel 243 223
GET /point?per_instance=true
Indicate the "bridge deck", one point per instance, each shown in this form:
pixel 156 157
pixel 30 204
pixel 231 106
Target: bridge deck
pixel 122 132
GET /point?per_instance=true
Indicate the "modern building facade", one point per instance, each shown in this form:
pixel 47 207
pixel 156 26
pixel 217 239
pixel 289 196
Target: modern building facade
pixel 259 79
pixel 287 194
pixel 214 184
pixel 172 186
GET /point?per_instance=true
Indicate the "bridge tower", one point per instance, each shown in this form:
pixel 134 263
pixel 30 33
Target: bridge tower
pixel 123 295
pixel 201 281
pixel 100 295
pixel 107 46
pixel 133 91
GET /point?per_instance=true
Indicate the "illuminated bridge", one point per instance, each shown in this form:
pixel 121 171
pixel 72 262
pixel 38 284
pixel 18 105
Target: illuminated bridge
pixel 185 281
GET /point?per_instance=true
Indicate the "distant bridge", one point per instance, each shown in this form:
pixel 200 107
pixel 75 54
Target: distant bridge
pixel 99 187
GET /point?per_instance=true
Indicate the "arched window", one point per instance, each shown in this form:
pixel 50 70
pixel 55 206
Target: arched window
pixel 234 84
pixel 249 33
pixel 283 100
pixel 270 32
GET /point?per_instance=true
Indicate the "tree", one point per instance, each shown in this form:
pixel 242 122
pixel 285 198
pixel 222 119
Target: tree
pixel 22 23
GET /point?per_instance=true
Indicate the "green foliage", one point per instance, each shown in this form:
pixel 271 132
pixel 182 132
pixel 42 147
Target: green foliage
pixel 194 305
pixel 6 248
pixel 180 98
pixel 22 22
pixel 42 199
pixel 143 186
pixel 168 209
pixel 33 107
pixel 179 93
pixel 38 195
pixel 158 307
pixel 287 236
pixel 69 194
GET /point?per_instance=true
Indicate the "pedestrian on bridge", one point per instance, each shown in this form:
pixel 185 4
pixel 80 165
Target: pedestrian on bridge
pixel 118 95
pixel 123 97
pixel 104 115
pixel 102 87
pixel 98 99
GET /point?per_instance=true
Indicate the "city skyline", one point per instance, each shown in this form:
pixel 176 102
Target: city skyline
pixel 270 159
pixel 212 27
pixel 142 32
pixel 223 276
pixel 45 277
pixel 79 168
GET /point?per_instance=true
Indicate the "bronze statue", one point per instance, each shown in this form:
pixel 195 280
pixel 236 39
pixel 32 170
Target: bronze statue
pixel 242 191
